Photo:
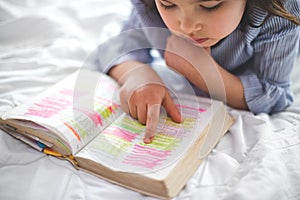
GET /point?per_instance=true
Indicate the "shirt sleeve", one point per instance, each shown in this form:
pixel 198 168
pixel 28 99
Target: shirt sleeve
pixel 267 81
pixel 130 44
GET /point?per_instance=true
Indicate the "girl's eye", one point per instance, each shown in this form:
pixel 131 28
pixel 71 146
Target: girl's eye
pixel 211 8
pixel 206 7
pixel 166 7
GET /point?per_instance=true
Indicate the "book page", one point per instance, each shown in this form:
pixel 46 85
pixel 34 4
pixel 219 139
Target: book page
pixel 120 147
pixel 76 109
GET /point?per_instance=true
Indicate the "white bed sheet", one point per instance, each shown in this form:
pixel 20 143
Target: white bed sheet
pixel 43 41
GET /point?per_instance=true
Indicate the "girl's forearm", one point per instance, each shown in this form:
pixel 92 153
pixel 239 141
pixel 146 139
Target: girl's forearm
pixel 122 71
pixel 220 84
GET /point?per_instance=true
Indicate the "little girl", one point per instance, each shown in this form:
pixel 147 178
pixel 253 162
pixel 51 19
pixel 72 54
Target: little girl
pixel 252 44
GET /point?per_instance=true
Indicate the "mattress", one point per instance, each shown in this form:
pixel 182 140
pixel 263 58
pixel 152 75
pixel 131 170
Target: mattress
pixel 42 42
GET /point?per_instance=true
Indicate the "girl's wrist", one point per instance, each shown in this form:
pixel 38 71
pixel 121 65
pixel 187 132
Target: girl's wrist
pixel 134 70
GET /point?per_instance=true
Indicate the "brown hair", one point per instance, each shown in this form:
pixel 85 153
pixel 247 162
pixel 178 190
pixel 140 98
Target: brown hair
pixel 273 7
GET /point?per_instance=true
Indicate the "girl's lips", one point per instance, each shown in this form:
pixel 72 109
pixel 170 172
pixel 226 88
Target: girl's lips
pixel 201 40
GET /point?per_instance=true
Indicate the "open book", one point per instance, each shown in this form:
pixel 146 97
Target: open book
pixel 80 119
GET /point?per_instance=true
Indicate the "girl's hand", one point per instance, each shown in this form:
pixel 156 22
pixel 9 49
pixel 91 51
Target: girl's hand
pixel 182 53
pixel 142 95
pixel 197 65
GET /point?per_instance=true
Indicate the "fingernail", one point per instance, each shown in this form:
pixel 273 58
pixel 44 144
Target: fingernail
pixel 180 116
pixel 148 140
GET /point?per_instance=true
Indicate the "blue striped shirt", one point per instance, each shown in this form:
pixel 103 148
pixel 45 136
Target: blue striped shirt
pixel 261 56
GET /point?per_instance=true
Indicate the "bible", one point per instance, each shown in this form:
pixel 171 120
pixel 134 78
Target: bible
pixel 80 119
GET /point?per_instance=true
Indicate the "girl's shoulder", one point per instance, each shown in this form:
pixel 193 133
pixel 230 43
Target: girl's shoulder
pixel 272 27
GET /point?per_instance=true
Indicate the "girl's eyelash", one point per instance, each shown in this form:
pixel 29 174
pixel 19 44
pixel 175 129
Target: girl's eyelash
pixel 166 7
pixel 210 9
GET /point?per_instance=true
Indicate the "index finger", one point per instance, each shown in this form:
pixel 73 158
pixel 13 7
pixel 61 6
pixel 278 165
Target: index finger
pixel 153 112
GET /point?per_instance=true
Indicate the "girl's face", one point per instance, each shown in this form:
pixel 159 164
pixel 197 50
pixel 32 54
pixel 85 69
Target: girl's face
pixel 204 21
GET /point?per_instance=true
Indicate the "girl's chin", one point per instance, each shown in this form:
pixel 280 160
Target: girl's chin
pixel 204 45
pixel 208 44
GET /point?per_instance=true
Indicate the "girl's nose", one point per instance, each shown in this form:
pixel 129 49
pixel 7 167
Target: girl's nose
pixel 189 25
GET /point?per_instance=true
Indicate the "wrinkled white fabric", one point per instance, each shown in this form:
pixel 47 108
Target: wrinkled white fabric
pixel 43 41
